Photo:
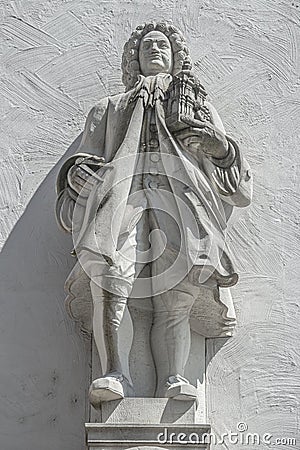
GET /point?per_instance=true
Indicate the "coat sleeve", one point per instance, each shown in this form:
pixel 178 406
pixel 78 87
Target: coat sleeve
pixel 231 176
pixel 92 143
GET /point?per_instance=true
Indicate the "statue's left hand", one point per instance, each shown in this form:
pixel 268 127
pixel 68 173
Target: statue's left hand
pixel 204 136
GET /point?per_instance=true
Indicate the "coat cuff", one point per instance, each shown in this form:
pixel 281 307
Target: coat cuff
pixel 229 159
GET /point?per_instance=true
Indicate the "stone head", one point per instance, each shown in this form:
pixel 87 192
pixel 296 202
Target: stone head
pixel 155 47
pixel 155 54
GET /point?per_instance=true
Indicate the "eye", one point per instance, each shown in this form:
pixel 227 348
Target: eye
pixel 146 45
pixel 163 45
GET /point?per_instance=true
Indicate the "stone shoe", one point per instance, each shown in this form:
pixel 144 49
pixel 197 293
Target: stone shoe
pixel 179 388
pixel 113 386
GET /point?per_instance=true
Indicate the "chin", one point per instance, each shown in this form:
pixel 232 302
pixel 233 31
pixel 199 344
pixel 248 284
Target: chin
pixel 156 63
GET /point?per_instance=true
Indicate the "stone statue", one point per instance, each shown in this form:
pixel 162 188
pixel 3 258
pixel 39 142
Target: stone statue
pixel 148 197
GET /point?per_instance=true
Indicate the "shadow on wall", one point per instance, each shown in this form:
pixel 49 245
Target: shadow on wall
pixel 213 346
pixel 44 361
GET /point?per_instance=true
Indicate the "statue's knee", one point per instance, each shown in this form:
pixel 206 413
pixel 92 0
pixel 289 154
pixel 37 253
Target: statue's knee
pixel 175 301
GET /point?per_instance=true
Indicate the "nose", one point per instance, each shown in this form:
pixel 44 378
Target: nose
pixel 154 47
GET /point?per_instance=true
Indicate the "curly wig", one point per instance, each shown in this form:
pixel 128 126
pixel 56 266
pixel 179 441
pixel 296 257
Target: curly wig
pixel 130 59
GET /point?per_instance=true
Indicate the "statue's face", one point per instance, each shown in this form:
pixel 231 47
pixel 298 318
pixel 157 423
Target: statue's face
pixel 155 54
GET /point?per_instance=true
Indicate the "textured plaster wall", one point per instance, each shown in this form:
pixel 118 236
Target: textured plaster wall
pixel 58 57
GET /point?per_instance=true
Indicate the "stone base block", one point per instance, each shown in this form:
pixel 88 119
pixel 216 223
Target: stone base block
pixel 146 437
pixel 146 411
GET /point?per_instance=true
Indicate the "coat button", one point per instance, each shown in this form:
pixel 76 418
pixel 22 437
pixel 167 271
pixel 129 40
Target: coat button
pixel 153 185
pixel 154 143
pixel 154 157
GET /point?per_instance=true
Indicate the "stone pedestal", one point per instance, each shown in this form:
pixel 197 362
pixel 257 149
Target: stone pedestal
pixel 146 423
pixel 146 411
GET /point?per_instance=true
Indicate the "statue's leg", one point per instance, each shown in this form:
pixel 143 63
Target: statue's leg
pixel 113 311
pixel 110 292
pixel 170 340
pixel 108 314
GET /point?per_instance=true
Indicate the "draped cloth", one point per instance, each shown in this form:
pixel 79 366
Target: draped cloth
pixel 208 191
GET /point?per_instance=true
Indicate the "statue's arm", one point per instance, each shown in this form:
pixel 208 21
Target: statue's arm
pixel 76 174
pixel 230 174
pixel 220 158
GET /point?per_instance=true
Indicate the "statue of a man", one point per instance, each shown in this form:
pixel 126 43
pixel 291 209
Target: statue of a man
pixel 148 198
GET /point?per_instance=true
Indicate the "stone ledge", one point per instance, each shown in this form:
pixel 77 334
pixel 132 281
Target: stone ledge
pixel 129 436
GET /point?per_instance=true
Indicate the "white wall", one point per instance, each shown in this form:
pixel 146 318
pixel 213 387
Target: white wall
pixel 58 57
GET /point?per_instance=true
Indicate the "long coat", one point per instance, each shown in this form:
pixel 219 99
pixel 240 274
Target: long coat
pixel 114 130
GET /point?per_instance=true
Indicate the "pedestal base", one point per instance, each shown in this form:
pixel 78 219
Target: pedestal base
pixel 146 411
pixel 146 437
